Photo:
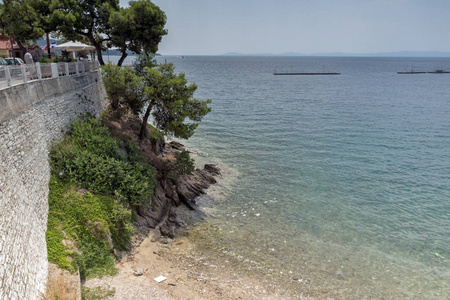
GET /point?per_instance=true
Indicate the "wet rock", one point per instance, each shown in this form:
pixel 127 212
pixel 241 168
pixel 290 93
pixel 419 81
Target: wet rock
pixel 168 231
pixel 193 185
pixel 212 169
pixel 176 146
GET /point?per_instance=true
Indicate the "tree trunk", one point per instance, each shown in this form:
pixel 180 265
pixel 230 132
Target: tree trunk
pixel 48 45
pixel 122 58
pixel 99 52
pixel 115 102
pixel 22 48
pixel 144 121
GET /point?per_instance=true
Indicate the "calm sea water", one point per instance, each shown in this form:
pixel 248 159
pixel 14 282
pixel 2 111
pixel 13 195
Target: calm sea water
pixel 343 181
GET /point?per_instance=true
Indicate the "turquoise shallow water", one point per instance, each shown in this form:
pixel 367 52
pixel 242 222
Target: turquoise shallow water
pixel 341 180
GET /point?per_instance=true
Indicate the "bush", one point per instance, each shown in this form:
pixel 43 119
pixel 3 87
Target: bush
pixel 184 163
pixel 94 159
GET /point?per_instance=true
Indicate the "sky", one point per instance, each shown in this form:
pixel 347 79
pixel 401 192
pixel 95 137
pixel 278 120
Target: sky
pixel 214 27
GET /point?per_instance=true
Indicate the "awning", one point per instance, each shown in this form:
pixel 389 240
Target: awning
pixel 74 47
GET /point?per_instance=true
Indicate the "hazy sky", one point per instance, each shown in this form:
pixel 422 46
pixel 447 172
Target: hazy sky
pixel 304 26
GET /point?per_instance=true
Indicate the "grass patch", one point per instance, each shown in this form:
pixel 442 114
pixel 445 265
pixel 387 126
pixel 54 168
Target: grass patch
pixel 98 293
pixel 83 228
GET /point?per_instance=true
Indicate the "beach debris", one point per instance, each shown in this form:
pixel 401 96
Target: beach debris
pixel 138 272
pixel 171 282
pixel 160 279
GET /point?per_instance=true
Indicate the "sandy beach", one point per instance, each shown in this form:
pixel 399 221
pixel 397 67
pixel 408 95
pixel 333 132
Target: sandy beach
pixel 189 275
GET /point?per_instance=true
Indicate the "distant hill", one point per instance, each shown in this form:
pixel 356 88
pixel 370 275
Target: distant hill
pixel 343 54
pixel 43 42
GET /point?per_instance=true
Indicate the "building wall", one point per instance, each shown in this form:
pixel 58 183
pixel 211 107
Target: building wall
pixel 32 117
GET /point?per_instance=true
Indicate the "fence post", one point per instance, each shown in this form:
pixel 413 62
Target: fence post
pixel 54 67
pixel 76 68
pixel 24 73
pixel 38 70
pixel 67 69
pixel 8 75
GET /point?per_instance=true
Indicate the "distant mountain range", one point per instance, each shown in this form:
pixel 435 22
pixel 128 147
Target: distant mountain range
pixel 343 54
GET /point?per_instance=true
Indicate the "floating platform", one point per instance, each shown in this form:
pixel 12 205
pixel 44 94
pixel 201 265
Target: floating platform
pixel 439 72
pixel 411 72
pixel 275 73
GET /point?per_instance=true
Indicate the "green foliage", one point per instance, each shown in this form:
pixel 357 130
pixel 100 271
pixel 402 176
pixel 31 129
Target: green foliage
pixel 95 179
pixel 90 157
pixel 184 163
pixel 88 224
pixel 97 293
pixel 122 86
pixel 142 61
pixel 84 20
pixel 139 27
pixel 170 100
pixel 21 20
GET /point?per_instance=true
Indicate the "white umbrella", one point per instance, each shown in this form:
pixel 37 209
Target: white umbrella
pixel 74 47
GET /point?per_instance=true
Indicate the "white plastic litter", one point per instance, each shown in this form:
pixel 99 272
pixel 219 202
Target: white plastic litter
pixel 160 279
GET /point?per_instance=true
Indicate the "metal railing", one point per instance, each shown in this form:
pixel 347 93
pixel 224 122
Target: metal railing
pixel 18 74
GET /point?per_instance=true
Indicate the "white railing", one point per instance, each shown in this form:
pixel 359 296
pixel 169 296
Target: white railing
pixel 18 74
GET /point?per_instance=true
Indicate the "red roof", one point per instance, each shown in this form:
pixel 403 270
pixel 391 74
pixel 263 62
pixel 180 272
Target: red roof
pixel 6 45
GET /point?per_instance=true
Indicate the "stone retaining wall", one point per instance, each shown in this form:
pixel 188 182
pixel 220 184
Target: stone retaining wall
pixel 32 116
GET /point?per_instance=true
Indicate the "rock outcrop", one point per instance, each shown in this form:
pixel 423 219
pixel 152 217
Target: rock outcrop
pixel 161 210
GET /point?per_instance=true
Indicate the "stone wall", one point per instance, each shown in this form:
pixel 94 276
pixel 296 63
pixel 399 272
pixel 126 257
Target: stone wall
pixel 32 116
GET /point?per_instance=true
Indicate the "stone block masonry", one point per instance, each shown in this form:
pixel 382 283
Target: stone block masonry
pixel 32 117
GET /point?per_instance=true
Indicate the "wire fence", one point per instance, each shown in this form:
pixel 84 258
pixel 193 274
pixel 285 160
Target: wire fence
pixel 19 74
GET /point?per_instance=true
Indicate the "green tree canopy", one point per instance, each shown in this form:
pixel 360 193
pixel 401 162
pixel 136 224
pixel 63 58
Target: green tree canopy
pixel 123 86
pixel 89 19
pixel 138 28
pixel 170 100
pixel 22 21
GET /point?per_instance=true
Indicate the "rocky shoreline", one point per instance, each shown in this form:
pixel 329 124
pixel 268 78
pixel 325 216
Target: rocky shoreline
pixel 168 197
pixel 170 193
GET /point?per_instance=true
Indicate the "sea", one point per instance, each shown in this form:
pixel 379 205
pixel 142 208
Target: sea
pixel 340 183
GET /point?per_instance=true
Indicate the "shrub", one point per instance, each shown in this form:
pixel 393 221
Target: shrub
pixel 94 159
pixel 184 163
